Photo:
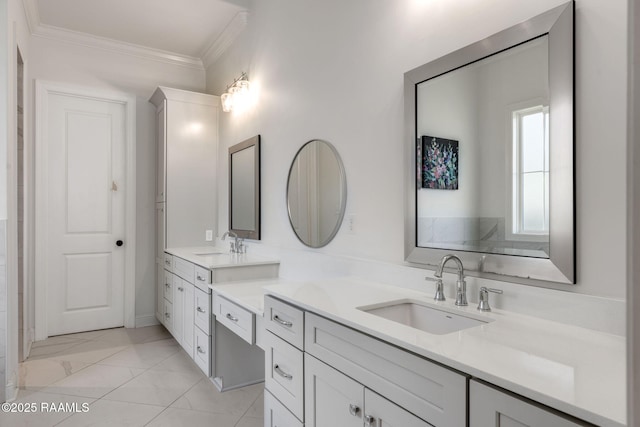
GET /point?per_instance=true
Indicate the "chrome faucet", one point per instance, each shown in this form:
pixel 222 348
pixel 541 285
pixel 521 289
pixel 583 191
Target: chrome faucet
pixel 461 285
pixel 236 246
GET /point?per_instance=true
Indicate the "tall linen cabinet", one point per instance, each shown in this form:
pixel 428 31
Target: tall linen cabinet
pixel 187 151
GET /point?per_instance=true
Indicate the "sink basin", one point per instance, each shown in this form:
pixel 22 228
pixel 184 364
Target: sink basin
pixel 423 317
pixel 209 253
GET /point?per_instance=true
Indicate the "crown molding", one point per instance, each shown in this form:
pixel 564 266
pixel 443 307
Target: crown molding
pixel 33 16
pixel 91 41
pixel 218 46
pixel 39 29
pixel 207 58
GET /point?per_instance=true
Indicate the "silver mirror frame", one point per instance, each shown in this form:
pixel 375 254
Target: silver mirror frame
pixel 558 23
pixel 255 233
pixel 343 190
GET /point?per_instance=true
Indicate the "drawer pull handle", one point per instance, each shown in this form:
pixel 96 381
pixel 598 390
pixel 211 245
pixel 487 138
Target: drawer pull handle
pixel 200 278
pixel 200 310
pixel 282 373
pixel 354 409
pixel 230 317
pixel 200 350
pixel 369 421
pixel 167 285
pixel 167 262
pixel 282 322
pixel 181 289
pixel 167 315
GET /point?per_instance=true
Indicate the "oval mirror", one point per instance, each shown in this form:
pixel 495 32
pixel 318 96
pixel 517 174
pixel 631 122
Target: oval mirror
pixel 316 193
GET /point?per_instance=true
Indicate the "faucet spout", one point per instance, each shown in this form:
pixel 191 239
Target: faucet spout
pixel 461 288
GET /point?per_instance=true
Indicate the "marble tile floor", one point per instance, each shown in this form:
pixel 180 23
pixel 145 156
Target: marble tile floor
pixel 124 377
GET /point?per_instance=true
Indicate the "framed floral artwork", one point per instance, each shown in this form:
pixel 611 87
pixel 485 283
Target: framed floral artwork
pixel 439 163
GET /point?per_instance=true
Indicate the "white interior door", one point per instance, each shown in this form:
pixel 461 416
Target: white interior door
pixel 86 207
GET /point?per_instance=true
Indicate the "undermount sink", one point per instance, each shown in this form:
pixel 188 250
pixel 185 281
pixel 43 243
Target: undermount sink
pixel 423 317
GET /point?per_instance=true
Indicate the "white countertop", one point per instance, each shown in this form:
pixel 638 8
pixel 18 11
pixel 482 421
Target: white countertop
pixel 248 294
pixel 575 370
pixel 211 257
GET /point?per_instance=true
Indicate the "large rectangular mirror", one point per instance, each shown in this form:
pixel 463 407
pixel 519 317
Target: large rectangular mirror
pixel 491 140
pixel 244 188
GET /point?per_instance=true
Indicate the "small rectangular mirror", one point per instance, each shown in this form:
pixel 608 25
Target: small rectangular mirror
pixel 244 188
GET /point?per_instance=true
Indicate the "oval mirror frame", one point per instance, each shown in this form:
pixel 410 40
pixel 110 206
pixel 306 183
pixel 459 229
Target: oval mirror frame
pixel 341 196
pixel 560 268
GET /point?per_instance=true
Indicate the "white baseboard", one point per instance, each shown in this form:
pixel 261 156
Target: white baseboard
pixel 150 320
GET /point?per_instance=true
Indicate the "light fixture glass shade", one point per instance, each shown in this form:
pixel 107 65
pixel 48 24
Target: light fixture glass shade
pixel 227 102
pixel 243 87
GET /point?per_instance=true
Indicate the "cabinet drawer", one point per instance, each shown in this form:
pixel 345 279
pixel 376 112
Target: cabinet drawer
pixel 203 311
pixel 284 374
pixel 168 316
pixel 202 278
pixel 489 407
pixel 168 262
pixel 202 351
pixel 168 286
pixel 285 321
pixel 436 394
pixel 239 320
pixel 184 269
pixel 276 415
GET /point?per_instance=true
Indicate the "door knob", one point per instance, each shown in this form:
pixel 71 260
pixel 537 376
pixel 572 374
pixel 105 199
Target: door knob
pixel 119 243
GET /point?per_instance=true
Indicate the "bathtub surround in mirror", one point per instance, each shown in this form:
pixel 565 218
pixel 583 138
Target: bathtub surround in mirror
pixel 490 133
pixel 316 193
pixel 244 188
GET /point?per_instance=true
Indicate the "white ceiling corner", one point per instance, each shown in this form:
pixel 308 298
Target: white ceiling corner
pixel 224 40
pixel 215 47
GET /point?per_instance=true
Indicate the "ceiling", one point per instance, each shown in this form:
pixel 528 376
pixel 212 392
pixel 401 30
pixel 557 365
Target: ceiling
pixel 189 30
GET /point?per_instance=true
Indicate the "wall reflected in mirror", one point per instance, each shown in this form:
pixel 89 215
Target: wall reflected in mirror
pixel 490 191
pixel 244 188
pixel 316 193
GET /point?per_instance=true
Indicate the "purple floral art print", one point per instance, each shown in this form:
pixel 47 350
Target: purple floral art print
pixel 439 163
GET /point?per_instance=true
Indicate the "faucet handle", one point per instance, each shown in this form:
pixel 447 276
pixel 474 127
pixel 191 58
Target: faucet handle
pixel 241 248
pixel 483 303
pixel 439 296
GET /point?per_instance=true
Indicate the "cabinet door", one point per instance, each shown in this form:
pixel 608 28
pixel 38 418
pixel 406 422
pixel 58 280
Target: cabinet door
pixel 160 293
pixel 189 318
pixel 178 309
pixel 380 412
pixel 160 232
pixel 276 415
pixel 331 398
pixel 160 158
pixel 489 407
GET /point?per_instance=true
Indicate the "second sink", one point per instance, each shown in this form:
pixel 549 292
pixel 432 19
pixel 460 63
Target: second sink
pixel 420 316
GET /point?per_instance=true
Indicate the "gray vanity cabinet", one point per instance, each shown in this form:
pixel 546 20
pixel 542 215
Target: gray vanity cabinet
pixel 489 407
pixel 334 399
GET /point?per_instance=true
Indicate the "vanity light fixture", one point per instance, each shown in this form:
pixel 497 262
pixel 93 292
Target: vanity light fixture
pixel 237 94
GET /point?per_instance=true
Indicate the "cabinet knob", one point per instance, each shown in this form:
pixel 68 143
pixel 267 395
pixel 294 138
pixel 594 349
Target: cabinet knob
pixel 369 421
pixel 200 310
pixel 200 350
pixel 119 243
pixel 181 289
pixel 230 317
pixel 354 409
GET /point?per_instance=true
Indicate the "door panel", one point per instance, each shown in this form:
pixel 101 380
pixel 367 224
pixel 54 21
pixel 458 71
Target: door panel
pixel 385 413
pixel 86 181
pixel 331 398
